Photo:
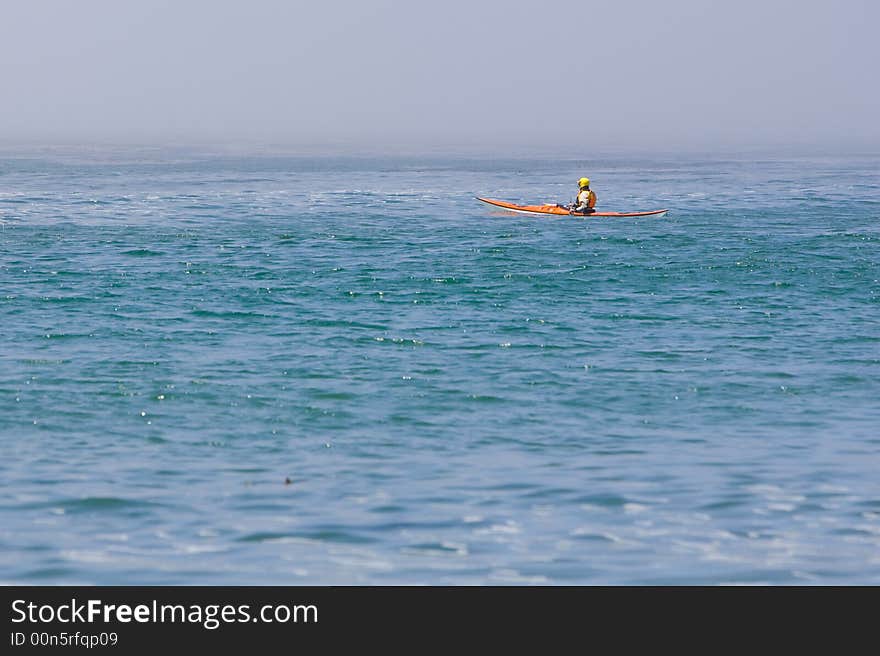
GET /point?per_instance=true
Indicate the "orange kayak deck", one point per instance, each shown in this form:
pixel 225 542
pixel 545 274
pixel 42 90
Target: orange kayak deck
pixel 561 211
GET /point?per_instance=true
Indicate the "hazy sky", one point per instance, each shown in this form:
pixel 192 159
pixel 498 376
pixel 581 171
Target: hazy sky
pixel 561 74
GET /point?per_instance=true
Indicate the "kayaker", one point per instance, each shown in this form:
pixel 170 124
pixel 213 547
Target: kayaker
pixel 586 198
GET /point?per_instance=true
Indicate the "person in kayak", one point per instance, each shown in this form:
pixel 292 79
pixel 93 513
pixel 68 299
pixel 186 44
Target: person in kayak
pixel 586 198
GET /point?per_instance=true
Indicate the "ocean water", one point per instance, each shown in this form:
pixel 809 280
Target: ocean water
pixel 279 370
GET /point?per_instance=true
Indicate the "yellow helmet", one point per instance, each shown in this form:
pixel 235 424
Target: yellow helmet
pixel 584 182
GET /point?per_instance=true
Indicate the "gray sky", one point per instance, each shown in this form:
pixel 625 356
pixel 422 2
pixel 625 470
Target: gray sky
pixel 505 76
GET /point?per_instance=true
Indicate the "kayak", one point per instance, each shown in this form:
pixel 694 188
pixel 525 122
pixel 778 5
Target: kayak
pixel 561 211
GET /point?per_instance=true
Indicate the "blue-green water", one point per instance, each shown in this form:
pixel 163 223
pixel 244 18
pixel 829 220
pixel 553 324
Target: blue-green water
pixel 456 395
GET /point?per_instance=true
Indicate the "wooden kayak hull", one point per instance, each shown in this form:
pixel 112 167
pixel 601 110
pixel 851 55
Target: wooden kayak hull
pixel 561 211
